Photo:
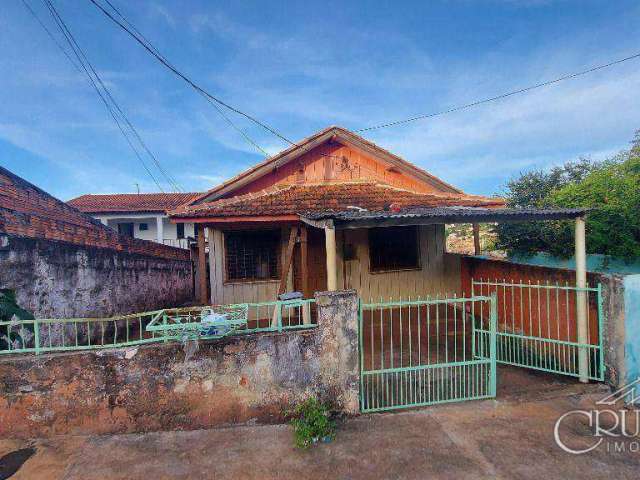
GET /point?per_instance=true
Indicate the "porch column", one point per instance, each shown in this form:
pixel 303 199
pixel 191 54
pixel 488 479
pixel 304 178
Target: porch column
pixel 332 268
pixel 202 267
pixel 581 297
pixel 159 229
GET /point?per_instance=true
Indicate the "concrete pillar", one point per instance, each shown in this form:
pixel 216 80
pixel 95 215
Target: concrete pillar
pixel 332 267
pixel 159 229
pixel 337 343
pixel 581 297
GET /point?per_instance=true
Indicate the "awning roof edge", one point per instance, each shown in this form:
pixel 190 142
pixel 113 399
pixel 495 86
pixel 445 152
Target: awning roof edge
pixel 438 215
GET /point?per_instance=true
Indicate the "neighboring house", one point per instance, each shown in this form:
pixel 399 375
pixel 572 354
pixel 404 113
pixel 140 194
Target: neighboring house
pixel 63 263
pixel 335 211
pixel 142 215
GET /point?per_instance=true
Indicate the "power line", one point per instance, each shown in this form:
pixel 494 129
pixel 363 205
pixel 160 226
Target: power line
pixel 498 97
pixel 92 82
pixel 79 54
pixel 194 85
pixel 170 180
pixel 156 52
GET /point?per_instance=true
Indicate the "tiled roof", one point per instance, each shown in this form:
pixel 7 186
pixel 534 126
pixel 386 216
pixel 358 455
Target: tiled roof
pixel 131 202
pixel 27 211
pixel 303 199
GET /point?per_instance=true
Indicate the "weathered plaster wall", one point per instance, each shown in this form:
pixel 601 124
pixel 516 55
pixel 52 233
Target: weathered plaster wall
pixel 58 279
pixel 254 378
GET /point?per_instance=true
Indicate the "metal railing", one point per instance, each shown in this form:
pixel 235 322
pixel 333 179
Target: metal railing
pixel 537 326
pixel 69 334
pixel 420 352
pixel 176 242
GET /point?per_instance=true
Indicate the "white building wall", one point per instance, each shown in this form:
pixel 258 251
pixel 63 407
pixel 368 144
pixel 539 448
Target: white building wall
pixel 169 229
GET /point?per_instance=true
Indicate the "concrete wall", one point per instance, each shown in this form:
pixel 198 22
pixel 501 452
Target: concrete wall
pixel 252 378
pixel 58 279
pixel 632 325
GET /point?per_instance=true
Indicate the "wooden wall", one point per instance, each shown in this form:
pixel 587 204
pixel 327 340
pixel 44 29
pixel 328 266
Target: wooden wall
pixel 335 163
pixel 439 273
pixel 223 292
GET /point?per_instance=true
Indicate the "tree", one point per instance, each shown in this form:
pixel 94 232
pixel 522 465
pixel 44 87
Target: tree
pixel 610 189
pixel 533 190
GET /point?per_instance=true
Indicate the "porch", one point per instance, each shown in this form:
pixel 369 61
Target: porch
pixel 427 324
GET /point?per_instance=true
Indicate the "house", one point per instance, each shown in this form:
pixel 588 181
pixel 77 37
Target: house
pixel 63 263
pixel 142 215
pixel 334 211
pixel 337 212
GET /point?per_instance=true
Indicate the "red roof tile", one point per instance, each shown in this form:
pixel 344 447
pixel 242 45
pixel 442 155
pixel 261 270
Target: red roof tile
pixel 131 202
pixel 300 199
pixel 27 211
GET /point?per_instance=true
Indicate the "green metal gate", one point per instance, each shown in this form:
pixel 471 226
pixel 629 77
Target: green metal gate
pixel 537 326
pixel 424 352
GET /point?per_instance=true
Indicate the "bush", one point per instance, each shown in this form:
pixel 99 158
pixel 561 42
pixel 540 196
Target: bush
pixel 312 423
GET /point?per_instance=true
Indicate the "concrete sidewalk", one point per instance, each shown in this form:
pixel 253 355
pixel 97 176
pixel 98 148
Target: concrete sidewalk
pixel 488 439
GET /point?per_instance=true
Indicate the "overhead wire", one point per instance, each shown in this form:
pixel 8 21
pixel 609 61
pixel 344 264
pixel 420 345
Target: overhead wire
pixel 115 111
pixel 153 51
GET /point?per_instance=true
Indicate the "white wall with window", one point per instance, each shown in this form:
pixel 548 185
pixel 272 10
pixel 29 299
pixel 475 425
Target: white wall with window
pixel 157 228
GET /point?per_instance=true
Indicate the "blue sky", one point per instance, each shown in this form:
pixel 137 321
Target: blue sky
pixel 301 66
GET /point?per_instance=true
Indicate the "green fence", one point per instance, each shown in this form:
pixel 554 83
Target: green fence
pixel 537 326
pixel 420 352
pixel 56 335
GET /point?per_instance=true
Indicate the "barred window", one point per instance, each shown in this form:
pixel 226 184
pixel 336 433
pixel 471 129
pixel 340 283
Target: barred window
pixel 393 248
pixel 252 255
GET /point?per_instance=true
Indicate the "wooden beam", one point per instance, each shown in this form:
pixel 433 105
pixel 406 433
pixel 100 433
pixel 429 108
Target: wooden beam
pixel 476 239
pixel 236 219
pixel 202 266
pixel 332 267
pixel 286 265
pixel 304 266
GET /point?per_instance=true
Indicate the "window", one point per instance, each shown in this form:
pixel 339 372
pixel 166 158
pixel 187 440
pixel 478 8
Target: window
pixel 180 230
pixel 125 229
pixel 253 255
pixel 393 248
pixel 144 227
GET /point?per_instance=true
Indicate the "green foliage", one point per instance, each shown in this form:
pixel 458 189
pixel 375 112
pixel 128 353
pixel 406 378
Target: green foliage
pixel 9 307
pixel 611 189
pixel 312 422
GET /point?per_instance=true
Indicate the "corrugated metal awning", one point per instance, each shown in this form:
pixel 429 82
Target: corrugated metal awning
pixel 358 218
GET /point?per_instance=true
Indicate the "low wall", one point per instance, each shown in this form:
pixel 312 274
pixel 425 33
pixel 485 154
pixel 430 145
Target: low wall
pixel 612 293
pixel 59 279
pixel 252 378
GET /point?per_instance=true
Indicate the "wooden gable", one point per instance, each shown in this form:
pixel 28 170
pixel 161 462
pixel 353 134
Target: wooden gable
pixel 335 162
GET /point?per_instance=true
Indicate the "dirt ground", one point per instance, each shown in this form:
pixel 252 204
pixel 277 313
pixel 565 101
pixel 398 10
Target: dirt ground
pixel 508 438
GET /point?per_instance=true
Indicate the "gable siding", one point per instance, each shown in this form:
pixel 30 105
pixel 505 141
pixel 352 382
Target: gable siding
pixel 335 163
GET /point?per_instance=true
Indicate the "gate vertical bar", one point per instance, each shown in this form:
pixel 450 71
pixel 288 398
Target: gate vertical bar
pixel 600 332
pixel 493 323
